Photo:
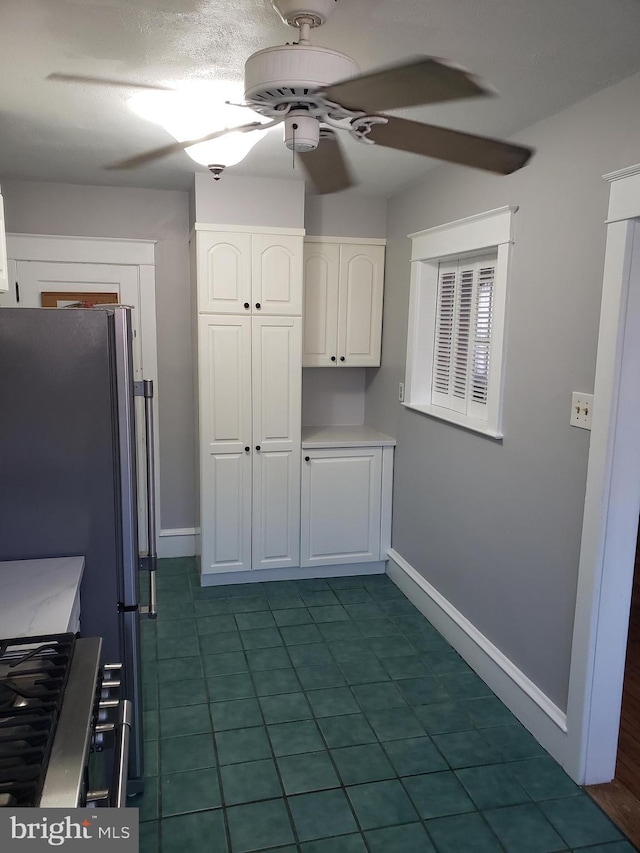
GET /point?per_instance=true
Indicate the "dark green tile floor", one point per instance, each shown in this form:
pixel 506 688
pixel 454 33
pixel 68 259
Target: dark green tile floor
pixel 328 716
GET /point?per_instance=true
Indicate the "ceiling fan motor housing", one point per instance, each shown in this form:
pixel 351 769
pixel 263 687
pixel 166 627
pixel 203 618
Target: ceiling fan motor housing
pixel 290 74
pixel 301 131
pixel 314 11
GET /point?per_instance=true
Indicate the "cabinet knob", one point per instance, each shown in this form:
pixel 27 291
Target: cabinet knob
pixel 247 306
pixel 247 449
pixel 258 306
pixel 307 459
pixel 333 358
pixel 342 358
pixel 257 447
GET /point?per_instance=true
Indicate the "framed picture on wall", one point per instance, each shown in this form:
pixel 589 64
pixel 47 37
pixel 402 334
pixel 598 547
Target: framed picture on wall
pixel 71 299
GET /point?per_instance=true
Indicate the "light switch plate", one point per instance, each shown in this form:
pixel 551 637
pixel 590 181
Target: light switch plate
pixel 401 392
pixel 581 410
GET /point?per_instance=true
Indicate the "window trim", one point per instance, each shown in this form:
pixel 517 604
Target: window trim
pixel 470 237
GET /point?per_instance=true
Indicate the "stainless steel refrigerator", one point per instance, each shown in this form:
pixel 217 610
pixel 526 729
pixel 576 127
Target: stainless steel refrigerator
pixel 68 469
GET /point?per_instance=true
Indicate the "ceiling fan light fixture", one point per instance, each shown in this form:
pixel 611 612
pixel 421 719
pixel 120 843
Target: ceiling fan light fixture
pixel 301 131
pixel 191 112
pixel 227 150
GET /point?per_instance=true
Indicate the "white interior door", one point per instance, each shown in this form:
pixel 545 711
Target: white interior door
pixel 34 278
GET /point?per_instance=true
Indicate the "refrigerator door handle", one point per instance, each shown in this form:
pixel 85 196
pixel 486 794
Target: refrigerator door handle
pixel 145 389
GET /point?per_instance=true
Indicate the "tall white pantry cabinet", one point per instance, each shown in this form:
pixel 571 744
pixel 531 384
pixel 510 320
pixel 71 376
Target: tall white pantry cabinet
pixel 249 351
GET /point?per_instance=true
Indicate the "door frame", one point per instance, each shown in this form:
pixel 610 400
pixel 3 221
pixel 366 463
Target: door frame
pixel 612 501
pixel 119 252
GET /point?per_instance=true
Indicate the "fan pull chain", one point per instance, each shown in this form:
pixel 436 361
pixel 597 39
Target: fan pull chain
pixel 294 127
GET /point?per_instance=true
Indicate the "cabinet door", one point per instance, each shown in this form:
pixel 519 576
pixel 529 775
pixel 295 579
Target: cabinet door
pixel 276 275
pixel 4 270
pixel 277 378
pixel 321 275
pixel 225 512
pixel 360 305
pixel 224 368
pixel 223 272
pixel 341 499
pixel 224 362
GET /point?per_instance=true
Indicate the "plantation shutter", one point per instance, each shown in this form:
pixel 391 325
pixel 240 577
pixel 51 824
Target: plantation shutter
pixel 462 342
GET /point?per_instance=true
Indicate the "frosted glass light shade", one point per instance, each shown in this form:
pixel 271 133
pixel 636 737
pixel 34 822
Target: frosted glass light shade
pixel 197 109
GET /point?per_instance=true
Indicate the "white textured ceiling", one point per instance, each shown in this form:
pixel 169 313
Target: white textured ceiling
pixel 541 55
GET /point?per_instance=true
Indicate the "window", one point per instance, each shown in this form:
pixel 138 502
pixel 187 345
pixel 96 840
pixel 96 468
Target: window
pixel 456 321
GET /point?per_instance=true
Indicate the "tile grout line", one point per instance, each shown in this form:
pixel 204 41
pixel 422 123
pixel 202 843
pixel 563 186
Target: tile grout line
pixel 420 652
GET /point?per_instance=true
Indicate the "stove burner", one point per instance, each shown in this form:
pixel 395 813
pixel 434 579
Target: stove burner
pixel 33 676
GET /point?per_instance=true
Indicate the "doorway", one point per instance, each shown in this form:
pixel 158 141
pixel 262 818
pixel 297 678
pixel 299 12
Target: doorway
pixel 61 271
pixel 612 502
pixel 628 756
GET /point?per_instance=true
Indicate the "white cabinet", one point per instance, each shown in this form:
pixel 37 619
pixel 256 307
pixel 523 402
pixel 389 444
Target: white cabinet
pixel 244 273
pixel 4 269
pixel 342 505
pixel 343 290
pixel 250 401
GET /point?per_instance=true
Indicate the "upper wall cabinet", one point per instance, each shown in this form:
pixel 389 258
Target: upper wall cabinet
pixel 343 288
pixel 243 273
pixel 4 270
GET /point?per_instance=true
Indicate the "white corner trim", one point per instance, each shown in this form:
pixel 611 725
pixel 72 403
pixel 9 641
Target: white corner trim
pixel 70 249
pixel 535 710
pixel 177 542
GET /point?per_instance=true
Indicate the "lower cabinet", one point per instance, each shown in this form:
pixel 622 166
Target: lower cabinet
pixel 341 506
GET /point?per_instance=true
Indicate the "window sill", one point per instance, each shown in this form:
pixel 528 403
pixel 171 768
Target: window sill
pixel 456 419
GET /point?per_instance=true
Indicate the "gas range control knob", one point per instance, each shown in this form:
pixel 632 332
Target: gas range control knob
pixel 104 707
pixel 109 689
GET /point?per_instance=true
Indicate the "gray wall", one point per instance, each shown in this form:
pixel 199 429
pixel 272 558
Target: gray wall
pixel 495 526
pixel 338 396
pixel 333 396
pixel 236 200
pixel 343 215
pixel 42 208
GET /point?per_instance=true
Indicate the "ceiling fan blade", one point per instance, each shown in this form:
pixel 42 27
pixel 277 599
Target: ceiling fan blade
pixel 425 80
pixel 327 167
pixel 481 152
pixel 105 81
pixel 173 147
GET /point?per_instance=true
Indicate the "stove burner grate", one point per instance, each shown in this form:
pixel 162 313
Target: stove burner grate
pixel 33 677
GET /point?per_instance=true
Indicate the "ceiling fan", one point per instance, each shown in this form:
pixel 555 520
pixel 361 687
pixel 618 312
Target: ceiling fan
pixel 315 92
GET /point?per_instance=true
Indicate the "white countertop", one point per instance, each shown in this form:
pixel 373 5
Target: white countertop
pixel 344 436
pixel 39 596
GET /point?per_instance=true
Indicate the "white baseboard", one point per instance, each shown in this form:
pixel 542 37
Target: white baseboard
pixel 179 542
pixel 531 706
pixel 293 574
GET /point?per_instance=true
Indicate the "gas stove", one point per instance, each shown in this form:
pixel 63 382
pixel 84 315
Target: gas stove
pixel 61 726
